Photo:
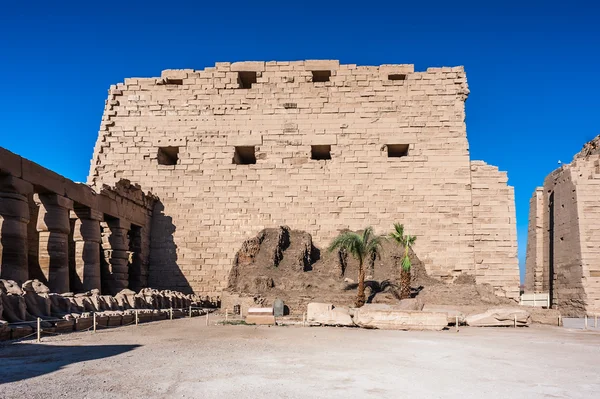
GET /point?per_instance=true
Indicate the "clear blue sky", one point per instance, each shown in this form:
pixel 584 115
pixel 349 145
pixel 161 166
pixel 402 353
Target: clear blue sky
pixel 533 67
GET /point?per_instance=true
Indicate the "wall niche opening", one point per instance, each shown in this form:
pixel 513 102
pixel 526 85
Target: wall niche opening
pixel 320 76
pixel 168 155
pixel 320 152
pixel 246 79
pixel 397 76
pixel 397 150
pixel 244 155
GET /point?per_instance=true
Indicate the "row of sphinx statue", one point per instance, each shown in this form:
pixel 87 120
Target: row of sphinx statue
pixel 21 306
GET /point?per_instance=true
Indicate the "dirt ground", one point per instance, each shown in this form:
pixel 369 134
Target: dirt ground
pixel 186 359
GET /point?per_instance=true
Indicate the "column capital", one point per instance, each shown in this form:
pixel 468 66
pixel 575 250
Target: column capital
pixel 11 184
pixel 118 223
pixel 82 212
pixel 53 199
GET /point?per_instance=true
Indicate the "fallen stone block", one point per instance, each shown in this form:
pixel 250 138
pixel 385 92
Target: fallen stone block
pixel 499 317
pixel 327 315
pixel 393 319
pixel 452 313
pixel 260 319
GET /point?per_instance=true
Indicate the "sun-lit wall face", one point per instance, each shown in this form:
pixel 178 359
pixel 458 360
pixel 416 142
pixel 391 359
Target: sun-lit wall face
pixel 314 145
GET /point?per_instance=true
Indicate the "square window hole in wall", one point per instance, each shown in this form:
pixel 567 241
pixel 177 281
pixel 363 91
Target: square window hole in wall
pixel 168 155
pixel 397 150
pixel 320 152
pixel 244 155
pixel 321 76
pixel 177 82
pixel 246 79
pixel 397 76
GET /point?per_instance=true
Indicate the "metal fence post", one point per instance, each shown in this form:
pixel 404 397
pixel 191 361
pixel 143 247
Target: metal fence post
pixel 171 313
pixel 94 315
pixel 39 330
pixel 136 318
pixel 190 310
pixel 207 317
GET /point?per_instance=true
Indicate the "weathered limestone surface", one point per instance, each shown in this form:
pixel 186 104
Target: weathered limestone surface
pixel 53 226
pixel 210 205
pixel 87 239
pixel 500 317
pixel 495 230
pixel 388 318
pixel 328 315
pixel 14 217
pixel 534 264
pixel 570 237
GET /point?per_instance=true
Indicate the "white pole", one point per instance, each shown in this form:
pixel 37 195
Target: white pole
pixel 94 317
pixel 456 323
pixel 207 318
pixel 171 313
pixel 136 318
pixel 226 314
pixel 586 323
pixel 515 320
pixel 190 310
pixel 39 330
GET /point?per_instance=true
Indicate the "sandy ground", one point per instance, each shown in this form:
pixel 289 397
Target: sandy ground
pixel 185 359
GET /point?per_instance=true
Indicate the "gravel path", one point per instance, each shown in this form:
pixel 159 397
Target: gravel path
pixel 185 359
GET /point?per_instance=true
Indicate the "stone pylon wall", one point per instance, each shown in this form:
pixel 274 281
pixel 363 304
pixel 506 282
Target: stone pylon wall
pixel 209 205
pixel 568 244
pixel 495 230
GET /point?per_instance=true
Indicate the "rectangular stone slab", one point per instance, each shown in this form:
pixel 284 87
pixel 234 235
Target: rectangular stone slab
pixel 261 320
pixel 400 320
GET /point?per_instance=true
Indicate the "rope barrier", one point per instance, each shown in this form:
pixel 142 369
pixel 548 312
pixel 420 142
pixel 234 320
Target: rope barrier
pixel 36 325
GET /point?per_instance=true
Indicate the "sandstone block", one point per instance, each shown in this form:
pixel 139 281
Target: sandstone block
pixel 391 319
pixel 260 319
pixel 499 317
pixel 248 66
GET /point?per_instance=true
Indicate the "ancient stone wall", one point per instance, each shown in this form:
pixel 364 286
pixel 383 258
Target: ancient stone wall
pixel 571 236
pixel 494 230
pixel 314 145
pixel 50 229
pixel 535 280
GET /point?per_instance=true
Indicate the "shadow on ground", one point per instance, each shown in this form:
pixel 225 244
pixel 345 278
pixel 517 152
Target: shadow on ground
pixel 23 361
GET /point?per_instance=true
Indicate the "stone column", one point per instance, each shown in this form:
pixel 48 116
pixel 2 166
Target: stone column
pixel 54 227
pixel 14 216
pixel 115 243
pixel 87 240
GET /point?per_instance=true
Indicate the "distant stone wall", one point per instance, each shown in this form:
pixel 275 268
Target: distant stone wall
pixel 571 236
pixel 494 230
pixel 535 281
pixel 186 135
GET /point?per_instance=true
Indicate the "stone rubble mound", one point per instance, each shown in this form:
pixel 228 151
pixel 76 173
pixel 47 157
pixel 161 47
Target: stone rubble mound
pixel 20 306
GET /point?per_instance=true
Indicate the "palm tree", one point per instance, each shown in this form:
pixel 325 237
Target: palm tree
pixel 407 242
pixel 361 247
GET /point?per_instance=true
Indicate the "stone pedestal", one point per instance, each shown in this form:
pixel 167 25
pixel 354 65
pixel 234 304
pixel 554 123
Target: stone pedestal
pixel 115 245
pixel 87 239
pixel 14 216
pixel 53 226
